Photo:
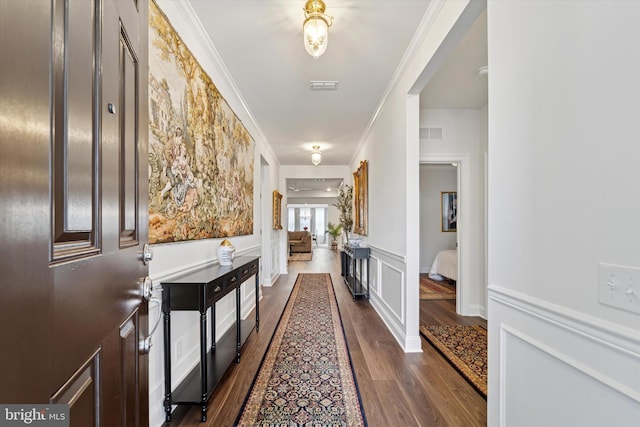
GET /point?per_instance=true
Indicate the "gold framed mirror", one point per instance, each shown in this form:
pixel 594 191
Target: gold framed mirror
pixel 277 210
pixel 361 202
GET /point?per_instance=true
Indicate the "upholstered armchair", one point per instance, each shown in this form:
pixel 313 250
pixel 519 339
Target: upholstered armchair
pixel 299 241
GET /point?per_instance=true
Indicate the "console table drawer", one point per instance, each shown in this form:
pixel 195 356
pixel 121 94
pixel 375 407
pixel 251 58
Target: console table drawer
pixel 248 271
pixel 214 292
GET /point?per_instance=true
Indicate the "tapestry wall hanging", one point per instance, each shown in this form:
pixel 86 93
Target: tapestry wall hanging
pixel 201 156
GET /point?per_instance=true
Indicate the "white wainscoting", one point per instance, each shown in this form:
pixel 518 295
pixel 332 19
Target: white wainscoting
pixel 275 264
pixel 551 366
pixel 389 290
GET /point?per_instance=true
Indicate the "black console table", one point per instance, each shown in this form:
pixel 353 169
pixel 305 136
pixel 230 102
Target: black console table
pixel 355 258
pixel 199 291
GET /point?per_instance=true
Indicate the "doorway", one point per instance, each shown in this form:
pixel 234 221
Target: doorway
pixel 438 231
pixel 452 121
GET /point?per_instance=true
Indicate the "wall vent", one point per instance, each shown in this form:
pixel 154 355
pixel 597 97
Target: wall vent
pixel 323 85
pixel 431 133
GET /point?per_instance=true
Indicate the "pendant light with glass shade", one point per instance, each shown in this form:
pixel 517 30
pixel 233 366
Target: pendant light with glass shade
pixel 316 156
pixel 316 28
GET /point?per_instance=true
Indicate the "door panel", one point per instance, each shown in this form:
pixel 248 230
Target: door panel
pixel 74 130
pixel 129 356
pixel 73 168
pixel 80 394
pixel 25 290
pixel 129 141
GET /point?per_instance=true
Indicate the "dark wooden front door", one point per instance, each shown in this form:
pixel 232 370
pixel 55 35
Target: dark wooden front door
pixel 73 207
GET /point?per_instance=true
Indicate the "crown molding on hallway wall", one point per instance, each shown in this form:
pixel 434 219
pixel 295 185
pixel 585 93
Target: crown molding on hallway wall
pixel 189 15
pixel 428 19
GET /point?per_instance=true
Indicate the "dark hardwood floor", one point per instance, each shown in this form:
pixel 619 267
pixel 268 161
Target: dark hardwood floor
pixel 397 389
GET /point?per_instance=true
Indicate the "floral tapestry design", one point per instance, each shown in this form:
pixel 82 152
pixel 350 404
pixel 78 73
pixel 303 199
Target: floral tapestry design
pixel 201 156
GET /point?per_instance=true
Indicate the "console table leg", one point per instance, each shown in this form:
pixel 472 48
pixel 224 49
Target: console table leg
pixel 238 330
pixel 167 364
pixel 213 327
pixel 257 301
pixel 203 357
pixel 354 281
pixel 167 411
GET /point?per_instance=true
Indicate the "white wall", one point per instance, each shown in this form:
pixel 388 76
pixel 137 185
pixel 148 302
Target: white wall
pixel 465 138
pixel 564 195
pixel 391 145
pixel 177 258
pixel 434 179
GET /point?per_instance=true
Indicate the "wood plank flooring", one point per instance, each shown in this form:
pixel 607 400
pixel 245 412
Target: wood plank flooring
pixel 397 389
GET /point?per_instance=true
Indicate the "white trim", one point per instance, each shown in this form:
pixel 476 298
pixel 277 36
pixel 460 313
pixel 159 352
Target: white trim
pixel 391 255
pixel 578 322
pixel 463 235
pixel 400 317
pixel 605 352
pixel 189 268
pixel 395 322
pixel 191 18
pixel 569 361
pixel 428 19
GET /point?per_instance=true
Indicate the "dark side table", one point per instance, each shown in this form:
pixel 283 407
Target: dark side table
pixel 200 291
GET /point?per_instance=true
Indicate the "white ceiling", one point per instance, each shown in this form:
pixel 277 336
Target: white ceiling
pixel 260 43
pixel 312 187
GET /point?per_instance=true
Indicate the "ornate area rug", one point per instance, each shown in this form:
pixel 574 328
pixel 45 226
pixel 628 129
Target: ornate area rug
pixel 306 377
pixel 465 347
pixel 301 256
pixel 431 289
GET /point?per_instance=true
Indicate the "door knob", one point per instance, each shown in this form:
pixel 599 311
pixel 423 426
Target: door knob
pixel 147 254
pixel 146 287
pixel 145 345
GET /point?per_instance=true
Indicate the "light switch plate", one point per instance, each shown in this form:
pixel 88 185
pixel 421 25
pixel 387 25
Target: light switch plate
pixel 619 286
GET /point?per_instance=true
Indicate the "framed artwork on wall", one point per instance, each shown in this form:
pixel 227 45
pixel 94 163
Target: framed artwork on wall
pixel 277 210
pixel 201 157
pixel 361 202
pixel 449 201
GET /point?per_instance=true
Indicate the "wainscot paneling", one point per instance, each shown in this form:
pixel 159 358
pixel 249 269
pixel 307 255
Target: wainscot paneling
pixel 581 370
pixel 388 293
pixel 275 264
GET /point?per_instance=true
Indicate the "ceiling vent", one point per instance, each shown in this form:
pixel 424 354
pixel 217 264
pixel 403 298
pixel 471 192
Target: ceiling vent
pixel 431 133
pixel 323 85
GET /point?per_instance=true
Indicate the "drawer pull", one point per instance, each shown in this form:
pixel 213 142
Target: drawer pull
pixel 217 289
pixel 233 279
pixel 245 271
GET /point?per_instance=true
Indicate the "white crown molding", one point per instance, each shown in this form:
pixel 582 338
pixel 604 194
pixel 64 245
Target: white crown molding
pixel 428 19
pixel 188 14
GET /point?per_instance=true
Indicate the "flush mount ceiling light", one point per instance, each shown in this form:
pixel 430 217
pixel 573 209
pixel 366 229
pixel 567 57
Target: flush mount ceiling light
pixel 316 28
pixel 316 156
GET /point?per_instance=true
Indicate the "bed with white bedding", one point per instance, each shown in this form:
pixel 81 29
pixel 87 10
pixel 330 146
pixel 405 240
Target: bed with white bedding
pixel 445 264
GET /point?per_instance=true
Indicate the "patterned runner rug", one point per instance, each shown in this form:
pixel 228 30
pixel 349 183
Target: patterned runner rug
pixel 306 377
pixel 431 289
pixel 465 347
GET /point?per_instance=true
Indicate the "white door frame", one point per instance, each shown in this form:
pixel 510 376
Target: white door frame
pixel 462 235
pixel 265 223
